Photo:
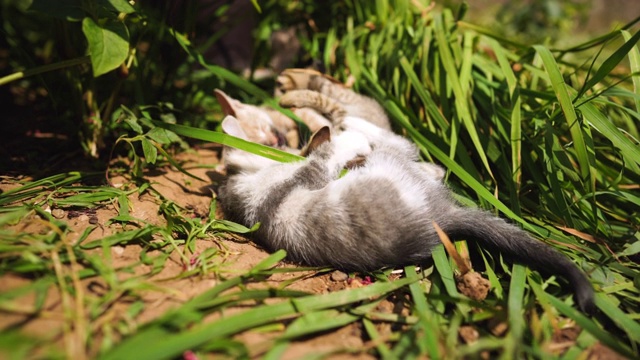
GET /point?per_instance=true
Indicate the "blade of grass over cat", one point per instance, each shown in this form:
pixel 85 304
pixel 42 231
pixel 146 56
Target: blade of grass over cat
pixel 228 140
pixel 441 263
pixel 324 320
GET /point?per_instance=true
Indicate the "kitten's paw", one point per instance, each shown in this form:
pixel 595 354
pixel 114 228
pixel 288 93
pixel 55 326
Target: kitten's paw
pixel 292 79
pixel 294 98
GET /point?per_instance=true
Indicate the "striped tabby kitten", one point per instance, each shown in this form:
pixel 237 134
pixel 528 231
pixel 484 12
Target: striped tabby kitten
pixel 260 124
pixel 327 96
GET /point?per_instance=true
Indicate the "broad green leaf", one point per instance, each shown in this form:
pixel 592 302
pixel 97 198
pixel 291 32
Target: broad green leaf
pixel 116 6
pixel 132 121
pixel 108 44
pixel 149 150
pixel 162 136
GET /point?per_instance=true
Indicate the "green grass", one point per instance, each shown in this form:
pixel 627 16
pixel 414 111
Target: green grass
pixel 545 137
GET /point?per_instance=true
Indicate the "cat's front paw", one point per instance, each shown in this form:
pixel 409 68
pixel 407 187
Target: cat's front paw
pixel 292 79
pixel 292 99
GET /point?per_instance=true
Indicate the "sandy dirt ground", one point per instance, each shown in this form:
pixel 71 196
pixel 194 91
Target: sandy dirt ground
pixel 168 289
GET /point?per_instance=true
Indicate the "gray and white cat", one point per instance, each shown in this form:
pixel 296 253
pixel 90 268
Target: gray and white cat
pixel 378 215
pixel 327 96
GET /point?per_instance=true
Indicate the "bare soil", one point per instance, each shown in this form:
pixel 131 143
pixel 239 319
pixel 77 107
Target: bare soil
pixel 169 289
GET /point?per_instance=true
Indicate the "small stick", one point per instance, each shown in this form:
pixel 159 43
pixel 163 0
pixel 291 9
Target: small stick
pixel 451 250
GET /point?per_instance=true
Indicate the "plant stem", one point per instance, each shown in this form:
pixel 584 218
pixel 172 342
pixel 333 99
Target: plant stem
pixel 45 68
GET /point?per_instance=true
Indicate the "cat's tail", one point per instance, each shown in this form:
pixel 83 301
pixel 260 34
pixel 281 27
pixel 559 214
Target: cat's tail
pixel 330 108
pixel 515 244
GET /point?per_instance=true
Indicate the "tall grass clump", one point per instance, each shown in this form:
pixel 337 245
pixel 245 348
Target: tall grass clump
pixel 547 137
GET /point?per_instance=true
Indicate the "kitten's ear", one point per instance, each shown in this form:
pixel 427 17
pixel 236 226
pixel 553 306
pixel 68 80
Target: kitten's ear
pixel 318 138
pixel 226 102
pixel 231 126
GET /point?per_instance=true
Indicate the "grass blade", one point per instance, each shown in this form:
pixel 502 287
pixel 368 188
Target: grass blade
pixel 228 140
pixel 584 157
pixel 148 345
pixel 612 61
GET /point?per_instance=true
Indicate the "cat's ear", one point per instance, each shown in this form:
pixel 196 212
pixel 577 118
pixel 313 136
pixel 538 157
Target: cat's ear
pixel 231 126
pixel 318 138
pixel 226 102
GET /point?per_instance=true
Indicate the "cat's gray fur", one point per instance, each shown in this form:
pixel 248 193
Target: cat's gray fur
pixel 380 214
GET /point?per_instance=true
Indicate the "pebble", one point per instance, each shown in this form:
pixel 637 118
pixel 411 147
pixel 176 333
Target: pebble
pixel 339 276
pixel 117 250
pixel 58 213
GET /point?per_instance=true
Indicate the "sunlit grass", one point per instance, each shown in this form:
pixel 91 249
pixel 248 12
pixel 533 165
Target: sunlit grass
pixel 550 143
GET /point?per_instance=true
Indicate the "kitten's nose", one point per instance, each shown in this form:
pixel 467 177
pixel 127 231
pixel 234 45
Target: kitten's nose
pixel 272 139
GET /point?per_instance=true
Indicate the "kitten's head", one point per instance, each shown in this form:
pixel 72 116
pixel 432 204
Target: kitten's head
pixel 238 160
pixel 255 123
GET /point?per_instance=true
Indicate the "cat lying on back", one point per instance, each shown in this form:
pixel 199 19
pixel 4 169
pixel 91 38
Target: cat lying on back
pixel 327 96
pixel 378 215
